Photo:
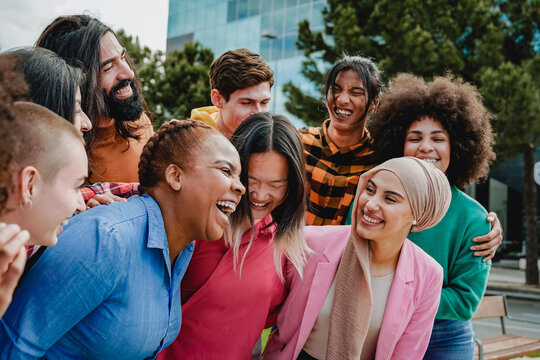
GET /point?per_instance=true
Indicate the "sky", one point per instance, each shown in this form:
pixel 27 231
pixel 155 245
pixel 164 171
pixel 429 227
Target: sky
pixel 22 21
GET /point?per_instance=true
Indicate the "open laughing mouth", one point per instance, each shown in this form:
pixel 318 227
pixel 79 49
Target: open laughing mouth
pixel 226 207
pixel 257 205
pixel 342 113
pixel 371 220
pixel 124 92
pixel 431 161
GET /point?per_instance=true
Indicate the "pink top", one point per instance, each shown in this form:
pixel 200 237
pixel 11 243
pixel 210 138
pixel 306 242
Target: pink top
pixel 224 312
pixel 409 314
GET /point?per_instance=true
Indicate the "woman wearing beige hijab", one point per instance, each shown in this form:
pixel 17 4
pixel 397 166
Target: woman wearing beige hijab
pixel 367 291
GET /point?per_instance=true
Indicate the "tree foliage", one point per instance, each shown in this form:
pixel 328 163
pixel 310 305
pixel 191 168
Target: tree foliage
pixel 172 84
pixel 423 37
pixel 493 44
pixel 512 92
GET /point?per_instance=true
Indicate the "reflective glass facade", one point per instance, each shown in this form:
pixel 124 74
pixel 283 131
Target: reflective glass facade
pixel 268 27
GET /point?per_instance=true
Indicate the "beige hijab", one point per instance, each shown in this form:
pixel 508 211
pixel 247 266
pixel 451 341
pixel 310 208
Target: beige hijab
pixel 429 195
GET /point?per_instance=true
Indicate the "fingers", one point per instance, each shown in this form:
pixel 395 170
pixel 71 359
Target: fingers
pixel 105 199
pixel 489 257
pixel 10 278
pixel 91 203
pixel 116 198
pixel 487 249
pixel 15 269
pixel 12 240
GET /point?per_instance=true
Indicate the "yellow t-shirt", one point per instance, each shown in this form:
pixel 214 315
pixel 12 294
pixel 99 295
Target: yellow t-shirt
pixel 206 114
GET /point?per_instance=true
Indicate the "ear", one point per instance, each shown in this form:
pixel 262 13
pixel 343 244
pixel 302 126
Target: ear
pixel 28 182
pixel 375 104
pixel 173 177
pixel 217 99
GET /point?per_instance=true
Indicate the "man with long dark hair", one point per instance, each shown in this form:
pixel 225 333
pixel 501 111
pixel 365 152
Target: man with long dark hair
pixel 111 95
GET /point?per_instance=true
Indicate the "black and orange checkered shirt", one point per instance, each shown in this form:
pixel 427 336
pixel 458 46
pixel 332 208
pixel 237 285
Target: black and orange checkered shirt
pixel 332 174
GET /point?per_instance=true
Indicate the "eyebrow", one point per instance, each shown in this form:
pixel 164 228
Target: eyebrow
pixel 226 162
pixel 387 191
pixel 433 132
pixel 108 61
pixel 361 87
pixel 273 181
pixel 244 98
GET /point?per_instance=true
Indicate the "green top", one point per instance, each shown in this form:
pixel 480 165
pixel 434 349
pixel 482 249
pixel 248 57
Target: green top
pixel 448 242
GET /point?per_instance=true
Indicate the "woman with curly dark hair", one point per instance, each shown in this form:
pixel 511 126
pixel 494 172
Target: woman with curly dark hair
pixel 445 123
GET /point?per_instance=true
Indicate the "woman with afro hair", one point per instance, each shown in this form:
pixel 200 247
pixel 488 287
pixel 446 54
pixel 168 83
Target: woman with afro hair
pixel 445 123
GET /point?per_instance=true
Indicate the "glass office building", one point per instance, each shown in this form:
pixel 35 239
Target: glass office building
pixel 267 27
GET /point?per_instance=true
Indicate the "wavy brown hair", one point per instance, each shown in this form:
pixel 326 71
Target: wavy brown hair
pixel 238 69
pixel 455 104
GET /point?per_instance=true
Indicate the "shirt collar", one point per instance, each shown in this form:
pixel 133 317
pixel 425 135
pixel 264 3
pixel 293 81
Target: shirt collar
pixel 261 230
pixel 157 238
pixel 334 149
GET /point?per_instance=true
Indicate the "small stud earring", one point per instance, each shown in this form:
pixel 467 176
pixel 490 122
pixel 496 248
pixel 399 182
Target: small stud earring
pixel 27 204
pixel 414 222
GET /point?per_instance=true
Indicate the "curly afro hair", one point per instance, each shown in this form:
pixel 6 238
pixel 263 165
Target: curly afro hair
pixel 455 104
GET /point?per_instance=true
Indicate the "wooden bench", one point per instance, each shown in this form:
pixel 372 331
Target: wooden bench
pixel 505 346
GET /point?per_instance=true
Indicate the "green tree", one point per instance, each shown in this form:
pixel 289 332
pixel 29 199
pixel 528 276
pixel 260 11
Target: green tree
pixel 185 84
pixel 173 84
pixel 423 37
pixel 491 43
pixel 512 92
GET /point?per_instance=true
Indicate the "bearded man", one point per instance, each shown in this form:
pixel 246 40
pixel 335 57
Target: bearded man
pixel 111 95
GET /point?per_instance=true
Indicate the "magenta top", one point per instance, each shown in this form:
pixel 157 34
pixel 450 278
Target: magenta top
pixel 223 311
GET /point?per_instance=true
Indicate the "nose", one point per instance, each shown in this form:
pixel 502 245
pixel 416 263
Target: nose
pixel 372 204
pixel 81 206
pixel 256 109
pixel 426 146
pixel 238 187
pixel 86 124
pixel 343 98
pixel 265 107
pixel 125 72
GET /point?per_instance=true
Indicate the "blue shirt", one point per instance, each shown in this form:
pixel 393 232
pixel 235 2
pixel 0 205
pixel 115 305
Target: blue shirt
pixel 105 291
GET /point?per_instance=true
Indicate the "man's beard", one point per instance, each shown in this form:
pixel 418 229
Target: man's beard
pixel 129 109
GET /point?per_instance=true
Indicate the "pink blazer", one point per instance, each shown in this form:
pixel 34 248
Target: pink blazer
pixel 410 310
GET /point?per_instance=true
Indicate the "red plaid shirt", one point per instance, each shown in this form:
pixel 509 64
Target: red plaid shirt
pixel 123 190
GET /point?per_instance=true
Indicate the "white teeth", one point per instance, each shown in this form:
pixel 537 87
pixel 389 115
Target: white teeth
pixel 258 204
pixel 126 89
pixel 65 222
pixel 343 112
pixel 227 207
pixel 431 161
pixel 370 220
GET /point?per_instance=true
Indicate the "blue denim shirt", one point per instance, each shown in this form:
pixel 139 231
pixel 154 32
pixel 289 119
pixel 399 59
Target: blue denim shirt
pixel 105 291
